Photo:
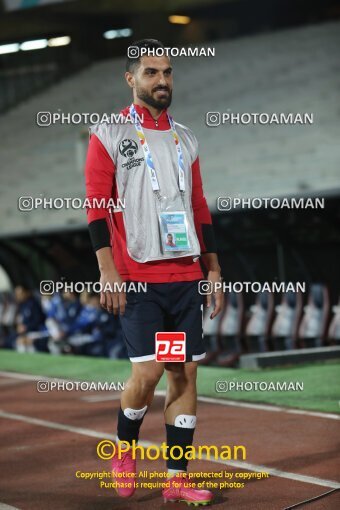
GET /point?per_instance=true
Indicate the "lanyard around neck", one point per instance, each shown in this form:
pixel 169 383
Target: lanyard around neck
pixel 148 156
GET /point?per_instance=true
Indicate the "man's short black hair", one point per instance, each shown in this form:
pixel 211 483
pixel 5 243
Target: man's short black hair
pixel 132 61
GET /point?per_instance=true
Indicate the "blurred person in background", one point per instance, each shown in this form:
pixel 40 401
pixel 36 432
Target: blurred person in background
pixel 72 307
pixel 81 333
pixel 95 332
pixel 31 330
pixel 54 309
pixel 108 329
pixel 8 311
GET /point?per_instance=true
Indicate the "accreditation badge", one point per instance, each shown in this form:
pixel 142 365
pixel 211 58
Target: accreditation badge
pixel 174 231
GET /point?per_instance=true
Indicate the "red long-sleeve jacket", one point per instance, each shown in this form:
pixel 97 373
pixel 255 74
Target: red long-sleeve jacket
pixel 107 229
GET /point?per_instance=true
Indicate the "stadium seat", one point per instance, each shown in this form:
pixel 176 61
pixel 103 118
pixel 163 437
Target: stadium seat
pixel 230 337
pixel 289 73
pixel 286 322
pixel 334 327
pixel 210 330
pixel 313 327
pixel 259 325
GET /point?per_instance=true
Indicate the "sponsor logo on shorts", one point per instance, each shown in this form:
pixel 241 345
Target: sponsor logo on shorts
pixel 170 346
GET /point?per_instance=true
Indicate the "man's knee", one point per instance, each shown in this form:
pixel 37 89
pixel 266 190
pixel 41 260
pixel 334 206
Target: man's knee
pixel 147 375
pixel 184 373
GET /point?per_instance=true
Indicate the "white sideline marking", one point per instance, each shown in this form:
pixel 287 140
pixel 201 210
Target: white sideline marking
pixel 100 398
pixel 233 463
pixel 29 377
pixel 161 393
pixel 9 382
pixel 268 407
pixel 3 506
pixel 233 403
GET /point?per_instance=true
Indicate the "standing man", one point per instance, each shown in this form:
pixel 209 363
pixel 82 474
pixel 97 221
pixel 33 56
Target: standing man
pixel 152 164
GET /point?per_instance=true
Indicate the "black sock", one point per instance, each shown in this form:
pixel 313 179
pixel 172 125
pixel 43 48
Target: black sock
pixel 178 436
pixel 127 429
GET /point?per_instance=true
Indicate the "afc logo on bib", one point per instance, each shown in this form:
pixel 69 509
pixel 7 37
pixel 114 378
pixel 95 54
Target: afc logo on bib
pixel 170 346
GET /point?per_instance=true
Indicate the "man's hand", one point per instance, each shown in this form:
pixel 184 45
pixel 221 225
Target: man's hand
pixel 215 277
pixel 113 300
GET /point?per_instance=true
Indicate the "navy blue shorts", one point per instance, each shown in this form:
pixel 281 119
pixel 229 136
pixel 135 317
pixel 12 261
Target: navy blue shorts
pixel 176 306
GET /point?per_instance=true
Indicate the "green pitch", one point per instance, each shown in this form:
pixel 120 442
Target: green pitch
pixel 321 381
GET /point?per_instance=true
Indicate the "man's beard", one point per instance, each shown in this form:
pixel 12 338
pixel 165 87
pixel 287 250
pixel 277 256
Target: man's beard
pixel 160 104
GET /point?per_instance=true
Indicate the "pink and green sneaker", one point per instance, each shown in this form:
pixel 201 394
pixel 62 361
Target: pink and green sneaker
pixel 126 485
pixel 184 492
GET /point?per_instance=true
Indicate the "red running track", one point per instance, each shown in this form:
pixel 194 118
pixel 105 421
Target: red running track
pixel 39 459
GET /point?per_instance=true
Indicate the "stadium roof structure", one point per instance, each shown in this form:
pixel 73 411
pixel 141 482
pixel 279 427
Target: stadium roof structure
pixel 210 18
pixel 292 70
